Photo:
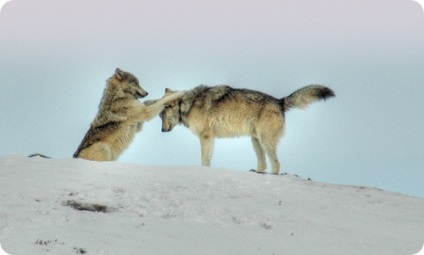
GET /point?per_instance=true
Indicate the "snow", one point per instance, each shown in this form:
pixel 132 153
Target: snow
pixel 195 210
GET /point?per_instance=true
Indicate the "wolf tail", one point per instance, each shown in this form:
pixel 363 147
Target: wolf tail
pixel 302 97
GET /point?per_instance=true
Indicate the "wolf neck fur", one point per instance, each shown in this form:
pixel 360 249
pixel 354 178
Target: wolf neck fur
pixel 180 114
pixel 112 93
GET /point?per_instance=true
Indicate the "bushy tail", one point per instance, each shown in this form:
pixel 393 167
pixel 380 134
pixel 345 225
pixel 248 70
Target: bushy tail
pixel 305 96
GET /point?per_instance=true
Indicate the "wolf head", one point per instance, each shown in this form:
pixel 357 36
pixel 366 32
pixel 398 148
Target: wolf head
pixel 125 84
pixel 171 115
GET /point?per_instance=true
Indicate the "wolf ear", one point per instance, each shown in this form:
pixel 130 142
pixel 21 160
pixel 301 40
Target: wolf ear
pixel 119 74
pixel 168 90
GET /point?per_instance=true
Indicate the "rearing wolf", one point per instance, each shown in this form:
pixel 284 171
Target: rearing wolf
pixel 222 111
pixel 120 117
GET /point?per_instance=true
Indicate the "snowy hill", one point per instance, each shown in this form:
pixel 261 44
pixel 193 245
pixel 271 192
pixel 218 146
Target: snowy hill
pixel 68 206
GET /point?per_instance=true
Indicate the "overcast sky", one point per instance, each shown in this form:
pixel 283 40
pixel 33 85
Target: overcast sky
pixel 56 55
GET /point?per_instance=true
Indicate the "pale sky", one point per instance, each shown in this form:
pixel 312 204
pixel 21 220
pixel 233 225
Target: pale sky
pixel 56 55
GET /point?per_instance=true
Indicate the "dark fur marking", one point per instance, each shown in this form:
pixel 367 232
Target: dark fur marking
pixel 281 104
pixel 326 93
pixel 222 93
pixel 95 134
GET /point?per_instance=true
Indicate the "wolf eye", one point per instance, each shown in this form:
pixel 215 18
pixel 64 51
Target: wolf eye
pixel 133 81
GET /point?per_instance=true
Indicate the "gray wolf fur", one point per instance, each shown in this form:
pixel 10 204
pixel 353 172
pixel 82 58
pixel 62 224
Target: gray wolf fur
pixel 119 118
pixel 222 111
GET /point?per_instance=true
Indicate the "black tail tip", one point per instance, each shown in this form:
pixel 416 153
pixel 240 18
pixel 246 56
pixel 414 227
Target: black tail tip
pixel 326 93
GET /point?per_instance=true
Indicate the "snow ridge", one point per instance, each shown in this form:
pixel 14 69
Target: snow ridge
pixel 71 206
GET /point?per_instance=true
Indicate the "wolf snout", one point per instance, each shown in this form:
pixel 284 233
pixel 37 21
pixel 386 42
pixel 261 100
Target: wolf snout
pixel 165 130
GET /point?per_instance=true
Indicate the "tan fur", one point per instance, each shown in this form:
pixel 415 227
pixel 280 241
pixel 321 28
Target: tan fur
pixel 222 111
pixel 119 118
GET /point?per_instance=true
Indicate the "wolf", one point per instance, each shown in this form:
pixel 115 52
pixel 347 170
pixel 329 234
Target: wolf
pixel 120 116
pixel 222 111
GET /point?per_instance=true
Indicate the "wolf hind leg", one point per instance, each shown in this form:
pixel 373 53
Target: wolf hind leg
pixel 207 145
pixel 271 151
pixel 260 154
pixel 97 152
pixel 269 142
pixel 269 130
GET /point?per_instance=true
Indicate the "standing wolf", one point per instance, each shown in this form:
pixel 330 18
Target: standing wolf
pixel 119 118
pixel 222 111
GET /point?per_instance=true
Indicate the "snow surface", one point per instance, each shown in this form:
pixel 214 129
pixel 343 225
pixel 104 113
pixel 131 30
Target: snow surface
pixel 195 210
